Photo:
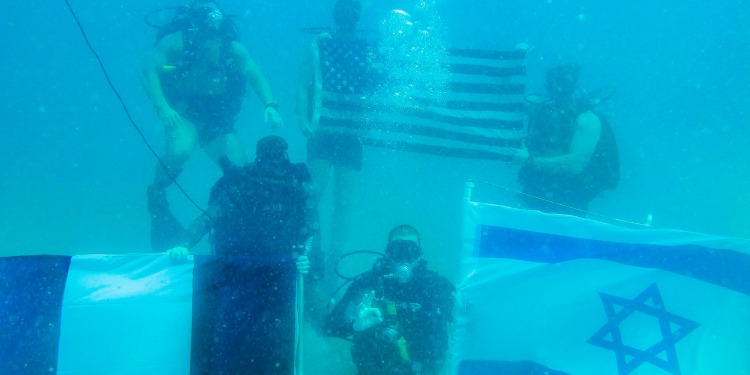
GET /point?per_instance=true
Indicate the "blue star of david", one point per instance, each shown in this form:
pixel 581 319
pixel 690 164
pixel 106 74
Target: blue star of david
pixel 673 328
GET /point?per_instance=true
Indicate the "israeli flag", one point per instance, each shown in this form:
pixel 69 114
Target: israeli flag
pixel 556 294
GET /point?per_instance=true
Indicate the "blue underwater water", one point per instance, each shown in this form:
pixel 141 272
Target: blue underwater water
pixel 73 169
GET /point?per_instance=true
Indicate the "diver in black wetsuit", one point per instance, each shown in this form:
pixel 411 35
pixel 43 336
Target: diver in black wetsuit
pixel 397 314
pixel 264 221
pixel 261 207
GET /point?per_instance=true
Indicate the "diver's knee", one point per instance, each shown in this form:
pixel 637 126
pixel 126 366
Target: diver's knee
pixel 182 144
pixel 175 158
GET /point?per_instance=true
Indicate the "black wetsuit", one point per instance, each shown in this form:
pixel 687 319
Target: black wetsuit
pixel 551 131
pixel 213 114
pixel 262 208
pixel 258 208
pixel 419 311
pixel 261 214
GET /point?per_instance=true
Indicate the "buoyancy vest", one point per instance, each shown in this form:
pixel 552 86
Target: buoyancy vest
pixel 551 131
pixel 262 208
pixel 190 63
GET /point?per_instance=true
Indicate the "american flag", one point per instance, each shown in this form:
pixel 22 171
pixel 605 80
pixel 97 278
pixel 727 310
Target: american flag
pixel 477 114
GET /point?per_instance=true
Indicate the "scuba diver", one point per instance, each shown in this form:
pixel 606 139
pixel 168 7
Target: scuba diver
pixel 396 314
pixel 263 222
pixel 196 76
pixel 333 156
pixel 570 155
pixel 261 207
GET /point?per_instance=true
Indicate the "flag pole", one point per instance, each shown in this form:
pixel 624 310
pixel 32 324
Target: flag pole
pixel 468 187
pixel 299 324
pixel 299 307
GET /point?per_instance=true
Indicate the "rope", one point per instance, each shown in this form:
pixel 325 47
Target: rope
pixel 125 108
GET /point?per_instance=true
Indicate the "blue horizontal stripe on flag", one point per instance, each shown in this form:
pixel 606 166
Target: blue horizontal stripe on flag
pixel 722 267
pixel 490 367
pixel 31 295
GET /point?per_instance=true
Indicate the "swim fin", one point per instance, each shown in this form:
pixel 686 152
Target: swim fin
pixel 166 230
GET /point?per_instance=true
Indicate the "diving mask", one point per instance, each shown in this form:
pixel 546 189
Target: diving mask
pixel 402 254
pixel 405 251
pixel 207 17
